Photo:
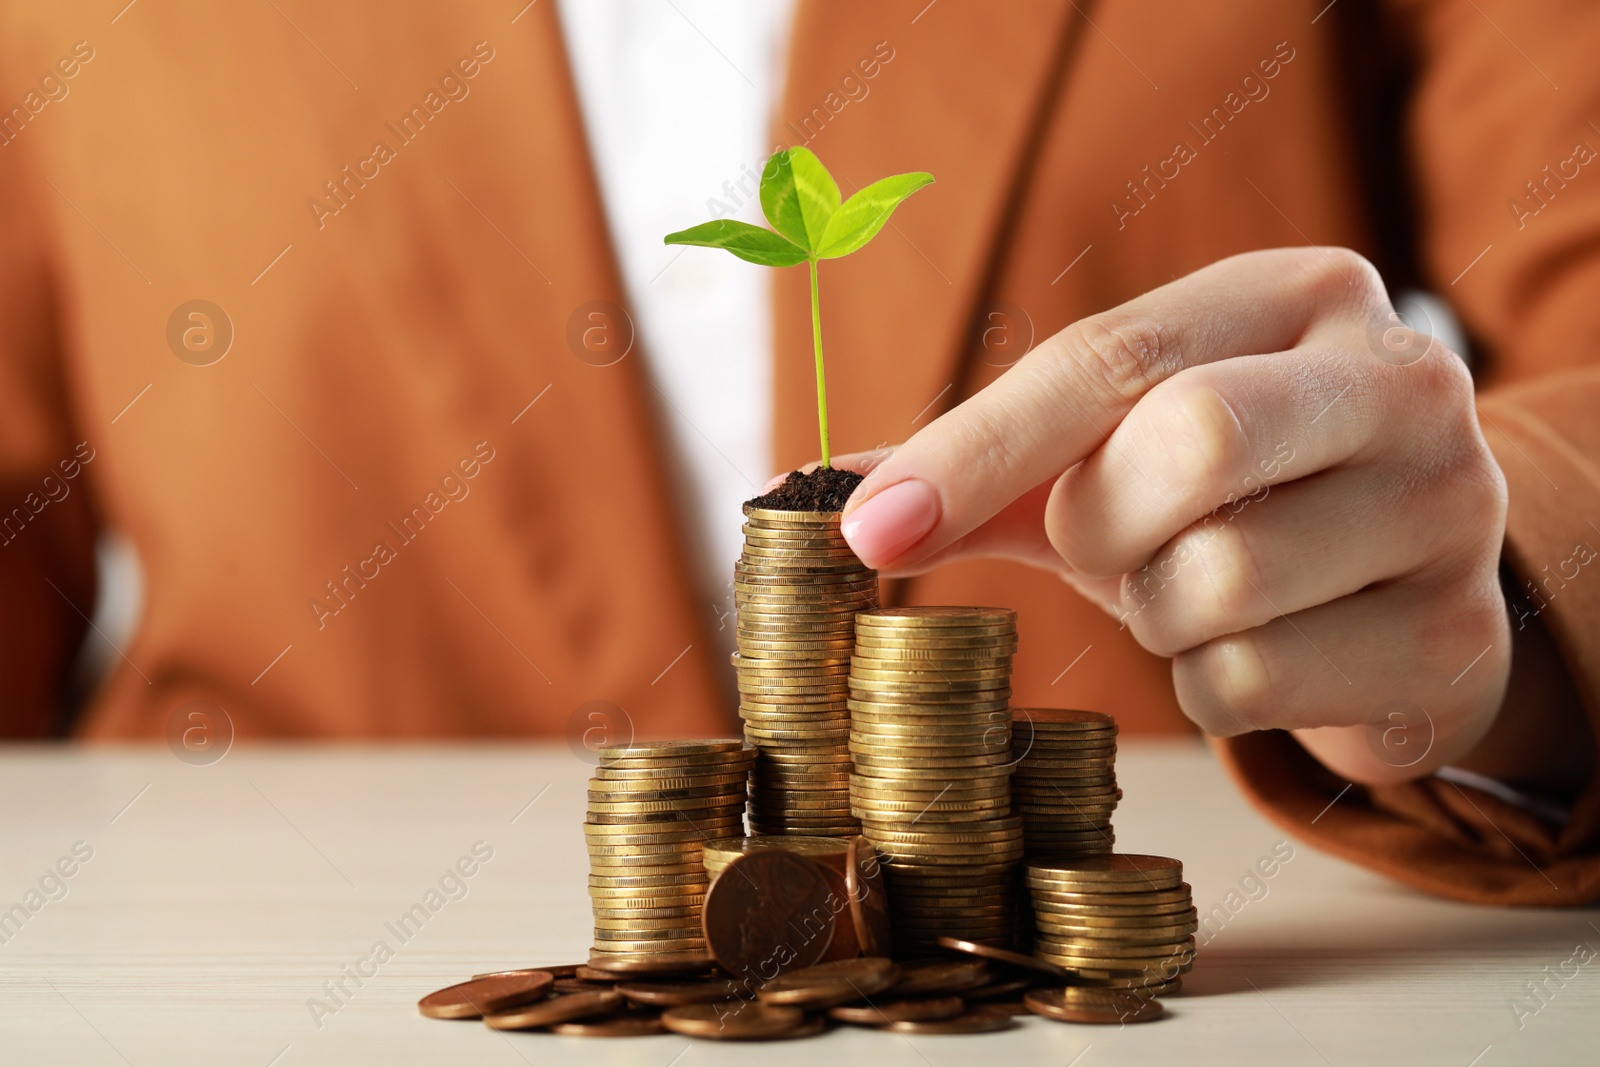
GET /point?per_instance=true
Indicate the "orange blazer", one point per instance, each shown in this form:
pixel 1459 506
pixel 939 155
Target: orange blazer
pixel 294 297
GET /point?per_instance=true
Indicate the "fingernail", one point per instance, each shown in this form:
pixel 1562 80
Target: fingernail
pixel 891 522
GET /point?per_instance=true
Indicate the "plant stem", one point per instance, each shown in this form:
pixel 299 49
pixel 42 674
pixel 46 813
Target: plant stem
pixel 822 388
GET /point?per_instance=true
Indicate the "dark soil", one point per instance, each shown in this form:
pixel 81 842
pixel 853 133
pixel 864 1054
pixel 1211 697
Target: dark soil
pixel 824 489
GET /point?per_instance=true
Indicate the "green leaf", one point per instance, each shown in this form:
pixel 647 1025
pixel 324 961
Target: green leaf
pixel 864 214
pixel 799 196
pixel 750 243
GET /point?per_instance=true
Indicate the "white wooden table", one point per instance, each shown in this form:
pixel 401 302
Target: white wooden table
pixel 220 899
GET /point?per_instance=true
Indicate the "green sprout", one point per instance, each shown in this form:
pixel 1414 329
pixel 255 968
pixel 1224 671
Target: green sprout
pixel 801 201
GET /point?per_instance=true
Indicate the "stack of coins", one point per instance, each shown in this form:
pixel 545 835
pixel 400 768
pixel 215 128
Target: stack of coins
pixel 931 740
pixel 797 588
pixel 1121 921
pixel 1064 785
pixel 652 805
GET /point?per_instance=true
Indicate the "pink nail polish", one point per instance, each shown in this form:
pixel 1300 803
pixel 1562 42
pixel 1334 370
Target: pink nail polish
pixel 892 521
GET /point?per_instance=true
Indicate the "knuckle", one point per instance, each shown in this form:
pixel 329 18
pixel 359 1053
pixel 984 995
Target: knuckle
pixel 1204 442
pixel 1120 356
pixel 1232 575
pixel 1078 539
pixel 1335 275
pixel 1206 586
pixel 1225 686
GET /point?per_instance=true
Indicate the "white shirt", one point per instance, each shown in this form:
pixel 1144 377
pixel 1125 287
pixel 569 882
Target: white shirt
pixel 677 99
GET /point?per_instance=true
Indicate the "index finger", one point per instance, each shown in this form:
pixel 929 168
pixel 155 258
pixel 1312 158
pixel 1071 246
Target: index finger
pixel 1063 399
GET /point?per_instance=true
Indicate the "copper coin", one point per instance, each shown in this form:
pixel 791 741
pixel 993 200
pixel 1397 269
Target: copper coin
pixel 1003 955
pixel 615 1026
pixel 768 912
pixel 1007 987
pixel 898 1011
pixel 1078 1004
pixel 673 994
pixel 845 944
pixel 483 996
pixel 592 974
pixel 580 985
pixel 941 976
pixel 557 971
pixel 646 963
pixel 736 1020
pixel 555 1010
pixel 828 984
pixel 977 1021
pixel 869 900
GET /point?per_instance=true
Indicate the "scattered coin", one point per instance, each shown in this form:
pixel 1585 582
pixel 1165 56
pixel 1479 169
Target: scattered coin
pixel 483 996
pixel 738 1020
pixel 896 1011
pixel 555 1010
pixel 651 963
pixel 616 1026
pixel 927 977
pixel 1003 955
pixel 828 984
pixel 981 1020
pixel 557 971
pixel 672 994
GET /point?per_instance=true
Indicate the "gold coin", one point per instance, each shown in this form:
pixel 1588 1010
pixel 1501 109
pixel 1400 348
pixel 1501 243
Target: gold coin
pixel 1179 894
pixel 673 749
pixel 884 707
pixel 733 787
pixel 649 945
pixel 986 736
pixel 1152 956
pixel 667 896
pixel 1076 1004
pixel 955 615
pixel 651 877
pixel 679 767
pixel 868 758
pixel 993 784
pixel 1160 938
pixel 999 645
pixel 687 830
pixel 669 925
pixel 736 763
pixel 666 783
pixel 924 779
pixel 870 671
pixel 1004 828
pixel 1067 718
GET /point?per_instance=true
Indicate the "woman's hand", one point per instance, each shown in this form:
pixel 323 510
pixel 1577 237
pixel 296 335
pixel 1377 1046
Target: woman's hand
pixel 1267 479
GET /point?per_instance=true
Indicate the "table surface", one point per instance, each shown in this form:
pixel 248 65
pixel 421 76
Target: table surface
pixel 218 902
